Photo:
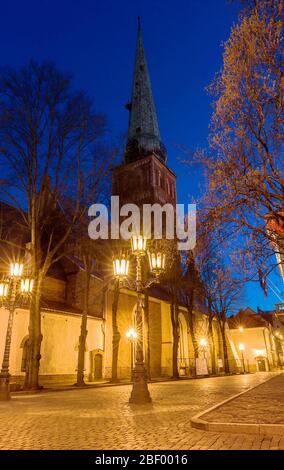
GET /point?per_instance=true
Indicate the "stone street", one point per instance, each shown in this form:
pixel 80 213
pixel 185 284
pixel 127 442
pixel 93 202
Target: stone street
pixel 101 418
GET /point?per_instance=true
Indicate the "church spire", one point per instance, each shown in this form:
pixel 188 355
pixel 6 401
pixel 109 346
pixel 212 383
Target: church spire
pixel 143 130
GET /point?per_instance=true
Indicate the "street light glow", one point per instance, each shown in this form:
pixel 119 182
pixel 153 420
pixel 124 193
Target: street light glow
pixel 241 347
pixel 27 285
pixel 139 244
pixel 16 269
pixel 121 266
pixel 203 342
pixel 131 334
pixel 3 289
pixel 157 261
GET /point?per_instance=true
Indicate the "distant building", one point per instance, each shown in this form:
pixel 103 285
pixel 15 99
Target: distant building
pixel 258 338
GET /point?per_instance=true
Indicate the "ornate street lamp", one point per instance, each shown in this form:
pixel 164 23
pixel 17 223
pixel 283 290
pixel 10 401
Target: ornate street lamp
pixel 138 245
pixel 157 261
pixel 11 292
pixel 140 392
pixel 120 266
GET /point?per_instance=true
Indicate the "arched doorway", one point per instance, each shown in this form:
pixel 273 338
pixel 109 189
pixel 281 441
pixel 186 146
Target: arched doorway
pixel 98 366
pixel 24 346
pixel 261 363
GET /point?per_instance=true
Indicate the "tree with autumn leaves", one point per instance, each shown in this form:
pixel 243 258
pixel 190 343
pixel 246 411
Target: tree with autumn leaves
pixel 244 165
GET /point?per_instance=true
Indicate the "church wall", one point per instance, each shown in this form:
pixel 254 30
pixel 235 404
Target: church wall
pixel 125 320
pixel 75 293
pixel 61 341
pixel 54 289
pixel 159 358
pixel 59 346
pixel 155 337
pixel 20 332
pixel 167 340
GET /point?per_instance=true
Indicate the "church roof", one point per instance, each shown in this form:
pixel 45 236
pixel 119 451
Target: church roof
pixel 143 129
pixel 248 318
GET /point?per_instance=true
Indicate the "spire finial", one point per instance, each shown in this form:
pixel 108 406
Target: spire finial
pixel 139 23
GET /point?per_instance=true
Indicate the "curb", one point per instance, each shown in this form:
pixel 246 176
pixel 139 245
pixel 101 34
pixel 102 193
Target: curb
pixel 236 428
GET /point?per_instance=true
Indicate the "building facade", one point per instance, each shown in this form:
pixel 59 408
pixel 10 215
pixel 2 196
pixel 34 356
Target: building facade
pixel 257 340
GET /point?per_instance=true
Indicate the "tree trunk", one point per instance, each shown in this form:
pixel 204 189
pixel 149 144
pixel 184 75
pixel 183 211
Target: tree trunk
pixel 225 348
pixel 115 334
pixel 191 325
pixel 84 332
pixel 147 335
pixel 175 328
pixel 35 337
pixel 212 345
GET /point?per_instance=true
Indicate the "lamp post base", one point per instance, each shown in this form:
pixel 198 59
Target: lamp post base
pixel 4 389
pixel 140 393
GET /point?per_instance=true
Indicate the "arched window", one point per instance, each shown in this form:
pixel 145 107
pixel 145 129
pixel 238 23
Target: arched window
pixel 24 346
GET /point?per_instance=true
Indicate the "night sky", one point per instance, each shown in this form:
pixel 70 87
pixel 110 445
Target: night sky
pixel 95 41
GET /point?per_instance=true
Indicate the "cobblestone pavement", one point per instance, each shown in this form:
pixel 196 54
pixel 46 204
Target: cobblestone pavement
pixel 264 404
pixel 103 419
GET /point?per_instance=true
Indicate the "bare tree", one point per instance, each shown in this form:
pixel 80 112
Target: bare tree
pixel 47 133
pixel 191 292
pixel 223 296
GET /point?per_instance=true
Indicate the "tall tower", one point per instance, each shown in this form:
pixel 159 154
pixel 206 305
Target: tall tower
pixel 143 177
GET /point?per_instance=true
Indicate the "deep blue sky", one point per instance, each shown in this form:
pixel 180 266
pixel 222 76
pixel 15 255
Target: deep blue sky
pixel 95 41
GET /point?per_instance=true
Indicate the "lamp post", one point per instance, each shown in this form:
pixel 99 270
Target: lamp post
pixel 140 392
pixel 11 292
pixel 132 336
pixel 242 348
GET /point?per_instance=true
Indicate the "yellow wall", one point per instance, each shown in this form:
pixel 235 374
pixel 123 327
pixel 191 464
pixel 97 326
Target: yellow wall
pixel 60 341
pixel 167 340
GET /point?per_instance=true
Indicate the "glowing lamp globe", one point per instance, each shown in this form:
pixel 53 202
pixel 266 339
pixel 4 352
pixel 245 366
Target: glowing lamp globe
pixel 16 269
pixel 139 244
pixel 120 266
pixel 157 262
pixel 131 334
pixel 4 286
pixel 27 285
